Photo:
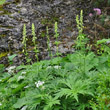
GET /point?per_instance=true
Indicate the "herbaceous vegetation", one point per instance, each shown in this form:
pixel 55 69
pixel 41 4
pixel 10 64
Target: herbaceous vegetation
pixel 48 42
pixel 79 81
pixel 2 2
pixel 34 41
pixel 24 42
pixel 56 36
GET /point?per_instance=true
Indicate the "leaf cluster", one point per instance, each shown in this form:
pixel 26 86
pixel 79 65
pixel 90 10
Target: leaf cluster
pixel 70 83
pixel 64 84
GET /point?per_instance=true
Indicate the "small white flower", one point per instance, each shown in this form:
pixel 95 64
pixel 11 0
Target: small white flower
pixel 49 67
pixel 0 104
pixel 24 108
pixel 108 42
pixel 0 80
pixel 10 69
pixel 26 87
pixel 39 83
pixel 20 77
pixel 57 67
pixel 23 73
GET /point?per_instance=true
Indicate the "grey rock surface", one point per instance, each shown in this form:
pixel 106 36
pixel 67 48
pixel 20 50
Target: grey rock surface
pixel 42 13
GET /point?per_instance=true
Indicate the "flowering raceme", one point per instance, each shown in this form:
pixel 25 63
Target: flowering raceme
pixel 97 10
pixel 90 14
pixel 39 83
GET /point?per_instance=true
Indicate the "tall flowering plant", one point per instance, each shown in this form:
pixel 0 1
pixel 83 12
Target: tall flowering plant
pixel 97 13
pixel 97 10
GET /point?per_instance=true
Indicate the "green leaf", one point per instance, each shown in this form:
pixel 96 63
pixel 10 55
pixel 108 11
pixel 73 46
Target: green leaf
pixel 11 57
pixel 1 68
pixel 56 61
pixel 103 41
pixel 19 88
pixel 69 66
pixel 20 103
pixel 74 87
pixel 50 102
pixel 57 42
pixel 2 2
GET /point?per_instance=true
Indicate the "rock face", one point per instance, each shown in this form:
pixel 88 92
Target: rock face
pixel 15 13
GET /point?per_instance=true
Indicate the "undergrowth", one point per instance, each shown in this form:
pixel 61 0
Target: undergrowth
pixel 2 2
pixel 79 81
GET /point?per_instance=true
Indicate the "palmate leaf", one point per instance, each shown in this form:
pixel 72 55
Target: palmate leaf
pixel 83 63
pixel 82 106
pixel 56 61
pixel 67 93
pixel 69 66
pixel 73 87
pixel 50 102
pixel 32 99
pixel 20 103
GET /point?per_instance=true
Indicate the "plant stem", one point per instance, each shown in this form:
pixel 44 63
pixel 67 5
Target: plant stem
pixel 34 42
pixel 48 42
